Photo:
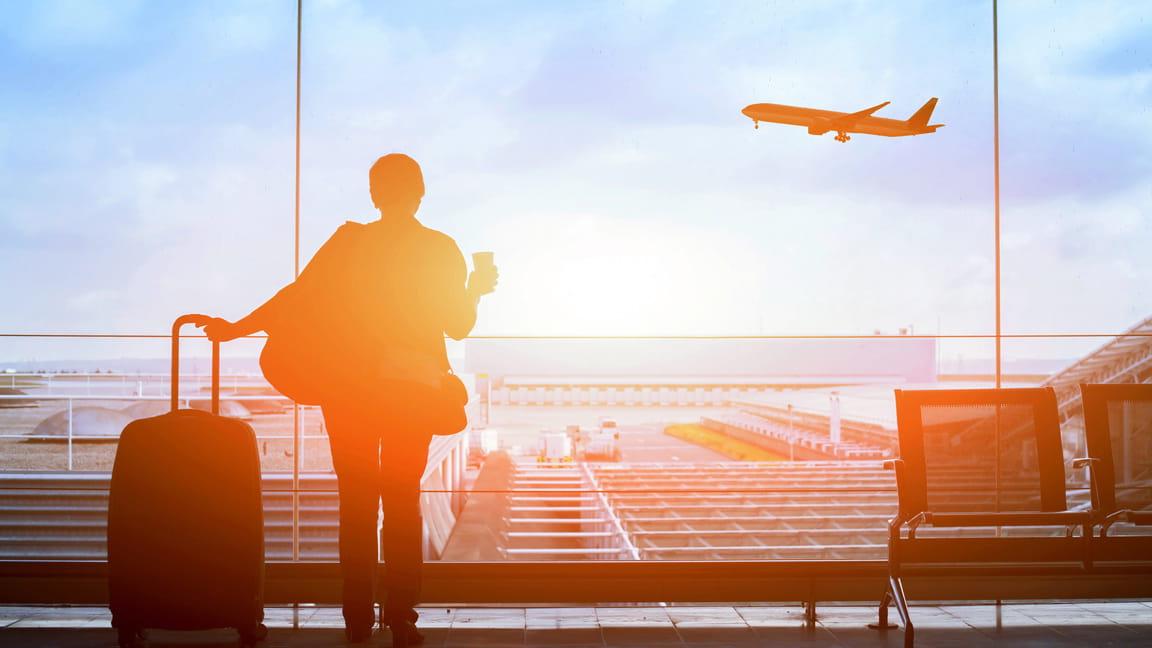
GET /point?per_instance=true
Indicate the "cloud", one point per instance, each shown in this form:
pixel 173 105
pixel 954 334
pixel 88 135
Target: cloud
pixel 1075 110
pixel 51 25
pixel 1127 55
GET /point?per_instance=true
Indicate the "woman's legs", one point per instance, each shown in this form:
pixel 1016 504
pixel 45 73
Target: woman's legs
pixel 354 439
pixel 379 456
pixel 403 456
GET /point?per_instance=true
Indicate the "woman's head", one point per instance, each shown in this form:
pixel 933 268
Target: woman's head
pixel 396 184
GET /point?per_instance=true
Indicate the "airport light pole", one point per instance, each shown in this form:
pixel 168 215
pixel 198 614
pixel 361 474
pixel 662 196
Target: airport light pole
pixel 996 202
pixel 996 174
pixel 296 273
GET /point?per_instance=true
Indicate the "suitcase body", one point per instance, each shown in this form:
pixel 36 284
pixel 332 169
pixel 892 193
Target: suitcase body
pixel 185 524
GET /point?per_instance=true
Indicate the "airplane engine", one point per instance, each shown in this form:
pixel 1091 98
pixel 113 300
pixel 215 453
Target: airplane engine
pixel 816 130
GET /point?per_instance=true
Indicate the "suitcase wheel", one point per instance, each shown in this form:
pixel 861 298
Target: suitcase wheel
pixel 251 636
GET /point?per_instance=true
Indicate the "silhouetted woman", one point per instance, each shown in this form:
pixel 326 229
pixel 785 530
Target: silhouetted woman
pixel 379 299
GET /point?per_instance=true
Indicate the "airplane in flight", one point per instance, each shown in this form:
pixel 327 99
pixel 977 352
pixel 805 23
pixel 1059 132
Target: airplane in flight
pixel 819 122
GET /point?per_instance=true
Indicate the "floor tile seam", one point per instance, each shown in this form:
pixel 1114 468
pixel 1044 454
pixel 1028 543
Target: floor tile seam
pixel 982 629
pixel 995 633
pixel 1055 620
pixel 1065 630
pixel 741 615
pixel 584 628
pixel 675 629
pixel 998 619
pixel 1093 606
pixel 738 620
pixel 832 633
pixel 451 628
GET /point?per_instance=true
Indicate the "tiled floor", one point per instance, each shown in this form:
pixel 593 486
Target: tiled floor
pixel 1065 624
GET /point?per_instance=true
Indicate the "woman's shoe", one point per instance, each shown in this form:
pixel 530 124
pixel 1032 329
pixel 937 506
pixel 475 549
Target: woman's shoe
pixel 404 633
pixel 358 634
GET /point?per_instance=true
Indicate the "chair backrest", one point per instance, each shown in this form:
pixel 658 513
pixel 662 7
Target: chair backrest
pixel 1118 428
pixel 979 450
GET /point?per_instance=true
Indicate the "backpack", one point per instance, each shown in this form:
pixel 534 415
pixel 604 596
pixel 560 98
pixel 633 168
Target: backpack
pixel 316 338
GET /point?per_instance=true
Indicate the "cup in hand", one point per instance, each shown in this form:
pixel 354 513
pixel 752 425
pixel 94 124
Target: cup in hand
pixel 484 272
pixel 484 261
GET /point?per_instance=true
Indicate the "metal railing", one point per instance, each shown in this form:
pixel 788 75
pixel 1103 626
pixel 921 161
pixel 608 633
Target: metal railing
pixel 619 530
pixel 71 438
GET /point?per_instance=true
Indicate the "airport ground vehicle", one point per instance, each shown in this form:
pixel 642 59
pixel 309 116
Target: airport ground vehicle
pixel 555 447
pixel 601 446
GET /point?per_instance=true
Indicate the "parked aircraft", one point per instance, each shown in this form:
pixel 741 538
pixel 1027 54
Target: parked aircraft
pixel 819 122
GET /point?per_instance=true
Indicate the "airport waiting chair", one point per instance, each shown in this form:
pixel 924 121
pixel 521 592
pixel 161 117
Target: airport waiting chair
pixel 1118 430
pixel 980 480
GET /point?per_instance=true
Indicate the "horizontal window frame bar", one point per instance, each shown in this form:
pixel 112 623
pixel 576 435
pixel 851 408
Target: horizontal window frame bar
pixel 835 336
pixel 716 491
pixel 600 581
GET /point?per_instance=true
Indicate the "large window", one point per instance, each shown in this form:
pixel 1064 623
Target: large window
pixel 692 351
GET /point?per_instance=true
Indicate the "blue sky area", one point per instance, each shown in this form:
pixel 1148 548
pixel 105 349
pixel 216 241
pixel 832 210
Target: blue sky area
pixel 146 161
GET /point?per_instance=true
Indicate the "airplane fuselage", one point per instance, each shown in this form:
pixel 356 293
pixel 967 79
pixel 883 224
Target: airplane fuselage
pixel 819 121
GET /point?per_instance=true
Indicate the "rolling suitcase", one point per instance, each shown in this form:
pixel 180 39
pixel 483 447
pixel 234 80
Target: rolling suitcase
pixel 185 520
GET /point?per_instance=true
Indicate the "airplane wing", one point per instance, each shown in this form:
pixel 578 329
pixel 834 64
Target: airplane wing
pixel 845 122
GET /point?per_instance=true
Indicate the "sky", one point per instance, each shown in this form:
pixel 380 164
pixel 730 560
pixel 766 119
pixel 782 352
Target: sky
pixel 146 161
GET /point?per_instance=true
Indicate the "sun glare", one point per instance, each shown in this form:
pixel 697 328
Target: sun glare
pixel 589 275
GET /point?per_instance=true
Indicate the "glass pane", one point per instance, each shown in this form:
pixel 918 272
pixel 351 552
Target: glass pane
pixel 687 449
pixel 145 161
pixel 1064 363
pixel 1075 137
pixel 601 152
pixel 64 403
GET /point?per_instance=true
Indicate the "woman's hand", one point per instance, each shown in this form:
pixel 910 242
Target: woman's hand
pixel 483 281
pixel 220 330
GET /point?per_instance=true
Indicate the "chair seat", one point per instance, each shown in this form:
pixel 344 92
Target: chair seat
pixel 934 552
pixel 1051 518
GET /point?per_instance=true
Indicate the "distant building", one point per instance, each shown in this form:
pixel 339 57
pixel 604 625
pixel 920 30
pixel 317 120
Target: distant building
pixel 685 371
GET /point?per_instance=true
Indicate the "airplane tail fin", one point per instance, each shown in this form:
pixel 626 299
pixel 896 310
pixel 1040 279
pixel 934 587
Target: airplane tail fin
pixel 919 119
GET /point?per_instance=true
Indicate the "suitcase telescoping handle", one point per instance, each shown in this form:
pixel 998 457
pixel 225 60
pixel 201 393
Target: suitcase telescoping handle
pixel 198 320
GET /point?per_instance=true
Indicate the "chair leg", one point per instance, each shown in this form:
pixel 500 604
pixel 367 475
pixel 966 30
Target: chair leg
pixel 810 613
pixel 882 622
pixel 897 588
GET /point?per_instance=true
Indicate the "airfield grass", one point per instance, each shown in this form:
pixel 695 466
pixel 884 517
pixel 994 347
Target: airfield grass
pixel 720 442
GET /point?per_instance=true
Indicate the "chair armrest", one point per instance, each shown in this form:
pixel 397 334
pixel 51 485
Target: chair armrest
pixel 1139 518
pixel 915 521
pixel 1093 485
pixel 894 525
pixel 1054 518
